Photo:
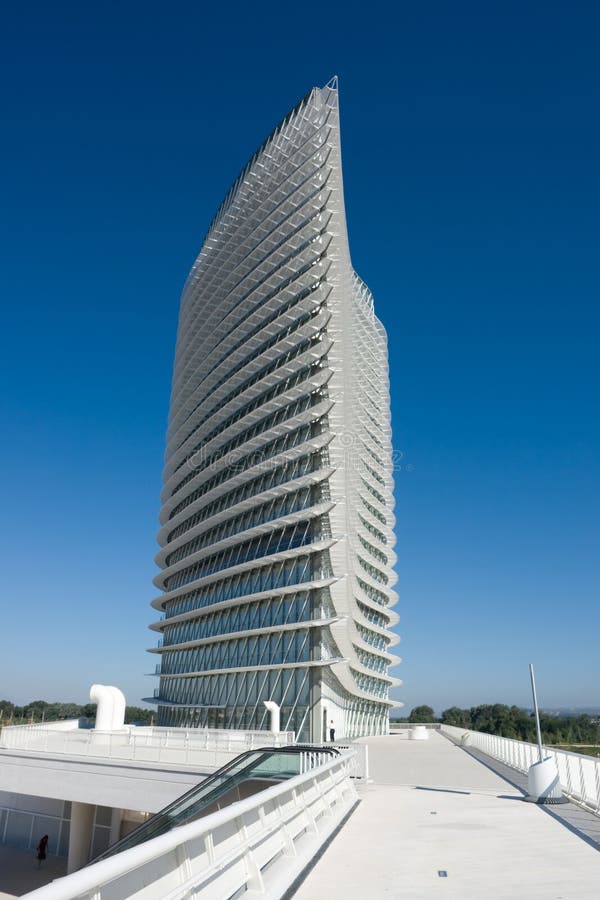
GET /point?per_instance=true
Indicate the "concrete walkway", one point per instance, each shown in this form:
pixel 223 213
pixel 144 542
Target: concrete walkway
pixel 435 809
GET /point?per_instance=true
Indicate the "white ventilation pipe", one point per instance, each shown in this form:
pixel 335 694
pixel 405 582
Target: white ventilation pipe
pixel 274 713
pixel 110 715
pixel 118 708
pixel 103 697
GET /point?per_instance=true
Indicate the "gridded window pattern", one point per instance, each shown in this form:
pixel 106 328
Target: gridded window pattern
pixel 374 492
pixel 254 581
pixel 244 718
pixel 258 515
pixel 373 571
pixel 366 717
pixel 371 685
pixel 374 474
pixel 374 617
pixel 273 448
pixel 271 279
pixel 235 700
pixel 370 661
pixel 272 366
pixel 289 411
pixel 374 422
pixel 296 469
pixel 362 716
pixel 266 545
pixel 272 649
pixel 374 551
pixel 287 384
pixel 373 638
pixel 374 438
pixel 267 535
pixel 372 593
pixel 282 610
pixel 374 531
pixel 374 512
pixel 372 454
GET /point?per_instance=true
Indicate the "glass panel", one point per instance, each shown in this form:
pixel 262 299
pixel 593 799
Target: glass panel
pixel 271 764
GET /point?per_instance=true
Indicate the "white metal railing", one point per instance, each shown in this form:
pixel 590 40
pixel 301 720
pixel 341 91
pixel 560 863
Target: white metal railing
pixel 362 757
pixel 260 844
pixel 579 775
pixel 176 746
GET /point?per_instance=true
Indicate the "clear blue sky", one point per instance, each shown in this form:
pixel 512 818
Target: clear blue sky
pixel 471 141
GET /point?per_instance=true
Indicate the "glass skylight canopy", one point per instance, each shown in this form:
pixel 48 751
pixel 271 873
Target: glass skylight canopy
pixel 277 510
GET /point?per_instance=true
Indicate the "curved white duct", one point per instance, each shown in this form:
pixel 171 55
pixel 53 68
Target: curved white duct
pixel 118 720
pixel 103 697
pixel 274 713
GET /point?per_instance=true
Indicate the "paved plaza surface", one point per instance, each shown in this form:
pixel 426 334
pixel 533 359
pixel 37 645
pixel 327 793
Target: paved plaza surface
pixel 433 808
pixel 19 872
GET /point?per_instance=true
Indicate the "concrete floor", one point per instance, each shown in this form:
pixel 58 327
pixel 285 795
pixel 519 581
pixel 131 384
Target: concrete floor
pixel 19 873
pixel 433 808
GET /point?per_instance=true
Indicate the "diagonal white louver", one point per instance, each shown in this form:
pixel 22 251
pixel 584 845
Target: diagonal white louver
pixel 277 509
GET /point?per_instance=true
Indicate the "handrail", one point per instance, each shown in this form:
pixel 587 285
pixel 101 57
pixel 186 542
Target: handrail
pixel 173 746
pixel 325 793
pixel 215 786
pixel 578 774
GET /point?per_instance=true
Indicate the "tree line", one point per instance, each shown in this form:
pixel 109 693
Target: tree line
pixel 514 722
pixel 41 711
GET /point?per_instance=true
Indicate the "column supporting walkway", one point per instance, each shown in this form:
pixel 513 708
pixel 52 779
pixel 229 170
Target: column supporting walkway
pixel 436 822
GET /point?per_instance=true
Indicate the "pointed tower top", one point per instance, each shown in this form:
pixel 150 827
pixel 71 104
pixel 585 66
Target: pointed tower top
pixel 332 84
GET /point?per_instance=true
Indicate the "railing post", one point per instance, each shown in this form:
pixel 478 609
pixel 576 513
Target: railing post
pixel 255 880
pixel 569 779
pixel 597 782
pixel 184 865
pixel 288 842
pixel 209 845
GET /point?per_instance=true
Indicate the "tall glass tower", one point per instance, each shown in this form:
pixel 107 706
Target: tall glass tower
pixel 277 509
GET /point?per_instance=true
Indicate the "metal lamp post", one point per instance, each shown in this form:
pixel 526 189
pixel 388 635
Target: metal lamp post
pixel 542 778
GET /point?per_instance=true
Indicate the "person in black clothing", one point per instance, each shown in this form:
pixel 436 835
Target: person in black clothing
pixel 331 731
pixel 41 850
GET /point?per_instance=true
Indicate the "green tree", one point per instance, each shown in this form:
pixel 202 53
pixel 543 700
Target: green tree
pixel 461 718
pixel 7 710
pixel 138 714
pixel 421 714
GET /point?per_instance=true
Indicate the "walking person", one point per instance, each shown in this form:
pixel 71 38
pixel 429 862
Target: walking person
pixel 41 850
pixel 331 731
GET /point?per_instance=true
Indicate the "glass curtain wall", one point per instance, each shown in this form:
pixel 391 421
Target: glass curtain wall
pixel 277 512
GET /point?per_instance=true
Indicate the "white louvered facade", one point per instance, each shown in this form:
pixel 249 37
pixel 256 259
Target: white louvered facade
pixel 277 509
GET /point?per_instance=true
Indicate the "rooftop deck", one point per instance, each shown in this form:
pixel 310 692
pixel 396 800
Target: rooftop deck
pixel 435 819
pixel 432 808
